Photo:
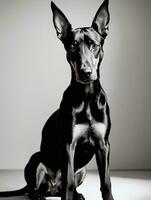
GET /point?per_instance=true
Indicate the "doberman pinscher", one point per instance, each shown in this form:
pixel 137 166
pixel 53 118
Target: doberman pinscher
pixel 80 127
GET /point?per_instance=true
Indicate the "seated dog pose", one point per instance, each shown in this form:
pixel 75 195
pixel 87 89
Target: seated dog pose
pixel 80 127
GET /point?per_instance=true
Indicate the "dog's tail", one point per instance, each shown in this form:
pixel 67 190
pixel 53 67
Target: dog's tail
pixel 19 192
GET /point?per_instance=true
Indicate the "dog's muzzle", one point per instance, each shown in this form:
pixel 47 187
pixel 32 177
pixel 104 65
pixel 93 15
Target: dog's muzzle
pixel 87 75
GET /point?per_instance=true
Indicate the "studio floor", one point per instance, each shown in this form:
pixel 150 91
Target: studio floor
pixel 126 185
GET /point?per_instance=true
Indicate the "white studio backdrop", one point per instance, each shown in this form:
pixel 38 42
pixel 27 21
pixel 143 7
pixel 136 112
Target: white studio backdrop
pixel 34 73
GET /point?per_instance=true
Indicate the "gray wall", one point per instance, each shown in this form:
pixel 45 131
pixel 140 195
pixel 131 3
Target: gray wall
pixel 34 73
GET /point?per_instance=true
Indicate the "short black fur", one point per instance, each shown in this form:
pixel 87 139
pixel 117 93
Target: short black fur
pixel 80 127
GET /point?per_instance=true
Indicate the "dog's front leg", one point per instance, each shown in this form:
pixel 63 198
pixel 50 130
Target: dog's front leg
pixel 69 183
pixel 102 159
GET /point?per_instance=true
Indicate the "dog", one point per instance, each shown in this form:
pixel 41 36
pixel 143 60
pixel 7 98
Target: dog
pixel 80 127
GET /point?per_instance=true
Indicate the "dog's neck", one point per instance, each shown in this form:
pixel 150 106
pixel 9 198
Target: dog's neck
pixel 88 89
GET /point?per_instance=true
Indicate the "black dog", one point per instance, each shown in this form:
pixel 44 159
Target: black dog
pixel 80 127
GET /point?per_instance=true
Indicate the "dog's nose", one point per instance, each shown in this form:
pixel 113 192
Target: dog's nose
pixel 87 74
pixel 85 69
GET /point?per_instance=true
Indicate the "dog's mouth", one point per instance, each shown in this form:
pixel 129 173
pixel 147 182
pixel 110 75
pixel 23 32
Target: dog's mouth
pixel 84 77
pixel 85 81
pixel 87 78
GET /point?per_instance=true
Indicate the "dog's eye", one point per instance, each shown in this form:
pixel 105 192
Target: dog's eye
pixel 89 42
pixel 73 46
pixel 92 45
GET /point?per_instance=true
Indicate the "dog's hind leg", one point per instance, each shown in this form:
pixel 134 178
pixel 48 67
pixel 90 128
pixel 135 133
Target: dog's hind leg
pixel 34 177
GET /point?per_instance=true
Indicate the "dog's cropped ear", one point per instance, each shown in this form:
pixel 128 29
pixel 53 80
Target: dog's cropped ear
pixel 101 19
pixel 61 23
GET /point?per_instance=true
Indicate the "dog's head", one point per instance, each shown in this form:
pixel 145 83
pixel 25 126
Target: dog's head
pixel 84 46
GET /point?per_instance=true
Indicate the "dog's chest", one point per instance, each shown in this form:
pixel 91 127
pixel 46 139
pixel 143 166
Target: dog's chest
pixel 87 126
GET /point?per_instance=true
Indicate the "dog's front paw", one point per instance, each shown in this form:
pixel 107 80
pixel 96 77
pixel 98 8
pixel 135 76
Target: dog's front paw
pixel 37 196
pixel 108 197
pixel 81 197
pixel 78 196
